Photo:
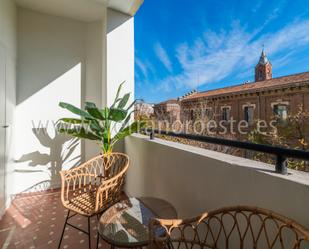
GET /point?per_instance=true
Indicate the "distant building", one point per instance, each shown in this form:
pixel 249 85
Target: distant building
pixel 167 111
pixel 261 99
pixel 143 110
pixel 263 70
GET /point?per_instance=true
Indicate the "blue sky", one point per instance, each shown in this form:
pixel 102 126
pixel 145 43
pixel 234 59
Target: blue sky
pixel 181 45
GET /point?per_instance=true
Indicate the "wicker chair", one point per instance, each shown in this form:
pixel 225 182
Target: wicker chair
pixel 234 227
pixel 93 187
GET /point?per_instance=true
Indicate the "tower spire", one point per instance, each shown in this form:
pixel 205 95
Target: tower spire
pixel 263 58
pixel 263 70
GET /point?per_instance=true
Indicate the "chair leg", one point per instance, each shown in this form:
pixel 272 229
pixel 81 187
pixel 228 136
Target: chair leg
pixel 98 239
pixel 98 235
pixel 89 233
pixel 65 223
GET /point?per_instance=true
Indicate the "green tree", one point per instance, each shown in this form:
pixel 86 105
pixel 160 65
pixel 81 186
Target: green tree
pixel 290 133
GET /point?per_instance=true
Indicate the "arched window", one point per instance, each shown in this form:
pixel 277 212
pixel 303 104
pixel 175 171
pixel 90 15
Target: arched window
pixel 249 114
pixel 281 112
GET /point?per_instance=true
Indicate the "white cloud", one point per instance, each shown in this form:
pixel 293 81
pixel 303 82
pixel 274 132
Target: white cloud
pixel 257 6
pixel 145 68
pixel 142 66
pixel 163 57
pixel 215 56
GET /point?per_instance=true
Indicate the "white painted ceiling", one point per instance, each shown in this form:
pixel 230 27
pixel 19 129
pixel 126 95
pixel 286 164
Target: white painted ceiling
pixel 83 10
pixel 129 7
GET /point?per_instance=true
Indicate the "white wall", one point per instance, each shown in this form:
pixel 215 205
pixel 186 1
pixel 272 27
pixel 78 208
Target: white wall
pixel 94 44
pixel 51 68
pixel 119 55
pixel 60 59
pixel 8 41
pixel 8 26
pixel 195 180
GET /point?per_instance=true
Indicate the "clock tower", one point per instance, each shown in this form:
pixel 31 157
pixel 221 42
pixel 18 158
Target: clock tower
pixel 263 70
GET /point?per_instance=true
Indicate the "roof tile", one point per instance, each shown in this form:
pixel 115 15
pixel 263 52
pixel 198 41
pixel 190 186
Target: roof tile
pixel 255 86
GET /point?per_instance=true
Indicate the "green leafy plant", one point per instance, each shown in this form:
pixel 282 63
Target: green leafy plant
pixel 292 133
pixel 105 126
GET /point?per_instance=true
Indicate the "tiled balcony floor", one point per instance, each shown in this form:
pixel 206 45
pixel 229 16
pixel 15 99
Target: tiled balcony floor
pixel 36 220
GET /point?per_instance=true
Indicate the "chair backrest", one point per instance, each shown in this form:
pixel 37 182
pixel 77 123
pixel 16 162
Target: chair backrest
pixel 114 163
pixel 92 174
pixel 109 192
pixel 233 227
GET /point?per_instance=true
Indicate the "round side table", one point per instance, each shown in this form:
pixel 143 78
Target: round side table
pixel 125 224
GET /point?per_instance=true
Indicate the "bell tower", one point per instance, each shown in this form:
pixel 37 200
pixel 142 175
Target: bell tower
pixel 263 70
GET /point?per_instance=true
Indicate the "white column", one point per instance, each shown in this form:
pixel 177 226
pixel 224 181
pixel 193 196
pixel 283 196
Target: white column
pixel 119 55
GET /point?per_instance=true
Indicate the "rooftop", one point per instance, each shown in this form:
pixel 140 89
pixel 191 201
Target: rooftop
pixel 170 101
pixel 255 86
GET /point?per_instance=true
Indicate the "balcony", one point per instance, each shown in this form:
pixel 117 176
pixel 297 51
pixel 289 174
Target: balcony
pixel 193 180
pixel 50 53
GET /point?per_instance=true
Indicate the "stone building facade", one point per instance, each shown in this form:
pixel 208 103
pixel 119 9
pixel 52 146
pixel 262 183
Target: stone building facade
pixel 143 110
pixel 260 100
pixel 167 111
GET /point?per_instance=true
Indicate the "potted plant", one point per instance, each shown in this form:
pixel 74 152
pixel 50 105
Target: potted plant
pixel 106 126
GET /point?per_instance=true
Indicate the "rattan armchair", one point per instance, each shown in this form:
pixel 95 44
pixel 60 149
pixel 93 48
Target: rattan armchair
pixel 233 227
pixel 93 187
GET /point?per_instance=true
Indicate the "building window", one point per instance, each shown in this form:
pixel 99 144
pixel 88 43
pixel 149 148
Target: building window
pixel 249 114
pixel 226 111
pixel 260 75
pixel 208 113
pixel 281 111
pixel 191 115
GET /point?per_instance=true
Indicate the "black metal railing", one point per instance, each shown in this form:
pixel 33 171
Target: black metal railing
pixel 281 153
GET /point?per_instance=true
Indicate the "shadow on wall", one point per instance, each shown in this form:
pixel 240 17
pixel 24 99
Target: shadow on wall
pixel 54 64
pixel 53 161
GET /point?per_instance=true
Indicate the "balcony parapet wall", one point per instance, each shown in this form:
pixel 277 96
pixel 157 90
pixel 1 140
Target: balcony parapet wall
pixel 195 180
